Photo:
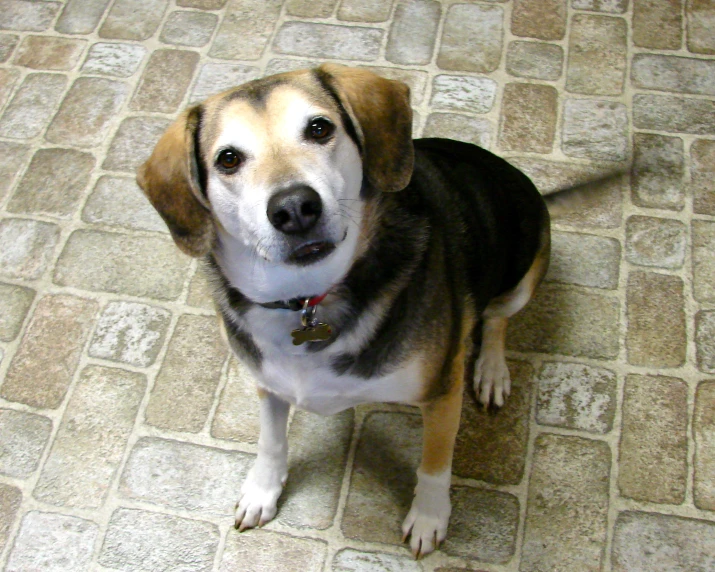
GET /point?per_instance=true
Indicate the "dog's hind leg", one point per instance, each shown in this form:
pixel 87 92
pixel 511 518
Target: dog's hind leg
pixel 265 480
pixel 491 374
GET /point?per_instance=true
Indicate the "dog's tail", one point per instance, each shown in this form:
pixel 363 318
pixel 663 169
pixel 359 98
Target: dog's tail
pixel 574 197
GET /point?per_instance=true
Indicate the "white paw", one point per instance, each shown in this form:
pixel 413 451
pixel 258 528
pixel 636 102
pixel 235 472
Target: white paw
pixel 259 498
pixel 427 521
pixel 491 379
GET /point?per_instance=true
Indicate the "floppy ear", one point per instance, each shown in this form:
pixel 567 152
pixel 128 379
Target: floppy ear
pixel 380 111
pixel 171 181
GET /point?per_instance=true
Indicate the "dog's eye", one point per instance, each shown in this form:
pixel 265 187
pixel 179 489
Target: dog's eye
pixel 228 160
pixel 319 128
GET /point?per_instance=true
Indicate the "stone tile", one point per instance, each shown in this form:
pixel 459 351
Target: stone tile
pixel 10 500
pixel 117 60
pixel 318 455
pixel 463 93
pixel 12 160
pixel 133 19
pixel 44 364
pixel 26 247
pixel 535 60
pixel 200 292
pixel 674 114
pixel 202 4
pixel 185 28
pixel 657 24
pixel 142 540
pixel 670 73
pixel 27 15
pixel 214 78
pixel 656 333
pixel 584 259
pixel 655 242
pixel 184 476
pixel 704 436
pixel 130 332
pixel 597 55
pixel 459 127
pixel 133 143
pixel 654 443
pixel 23 437
pixel 260 551
pixel 33 105
pixel 657 172
pixel 8 79
pixel 595 129
pixel 413 32
pixel 576 396
pixel 52 542
pixel 528 117
pixel 365 10
pixel 237 413
pixel 184 389
pixel 415 79
pixel 475 512
pixel 91 440
pixel 704 261
pixel 54 183
pixel 118 201
pixel 165 80
pixel 705 340
pixel 490 447
pixel 351 560
pixel 87 112
pixel 7 45
pixel 566 514
pixel 702 172
pixel 81 16
pixel 49 53
pixel 542 19
pixel 383 477
pixel 700 21
pixel 567 320
pixel 327 41
pixel 472 38
pixel 118 263
pixel 15 301
pixel 245 29
pixel 608 6
pixel 280 65
pixel 310 8
pixel 647 541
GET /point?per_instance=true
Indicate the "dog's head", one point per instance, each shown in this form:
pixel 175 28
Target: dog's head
pixel 273 175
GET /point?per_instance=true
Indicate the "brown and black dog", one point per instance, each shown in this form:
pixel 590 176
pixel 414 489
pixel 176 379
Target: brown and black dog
pixel 349 263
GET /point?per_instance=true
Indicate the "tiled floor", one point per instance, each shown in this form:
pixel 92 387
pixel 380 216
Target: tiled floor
pixel 125 430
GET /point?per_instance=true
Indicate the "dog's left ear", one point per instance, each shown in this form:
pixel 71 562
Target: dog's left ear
pixel 380 111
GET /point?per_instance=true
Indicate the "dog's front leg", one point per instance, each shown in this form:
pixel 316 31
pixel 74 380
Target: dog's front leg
pixel 265 480
pixel 428 518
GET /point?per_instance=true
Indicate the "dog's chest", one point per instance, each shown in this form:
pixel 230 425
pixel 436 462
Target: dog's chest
pixel 307 379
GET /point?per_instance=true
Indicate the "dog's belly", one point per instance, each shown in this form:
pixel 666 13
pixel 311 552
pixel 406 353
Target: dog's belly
pixel 309 383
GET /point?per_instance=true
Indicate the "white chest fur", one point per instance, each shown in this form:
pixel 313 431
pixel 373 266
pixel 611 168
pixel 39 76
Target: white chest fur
pixel 307 380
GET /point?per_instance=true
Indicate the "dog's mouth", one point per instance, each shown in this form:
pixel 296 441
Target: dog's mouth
pixel 311 253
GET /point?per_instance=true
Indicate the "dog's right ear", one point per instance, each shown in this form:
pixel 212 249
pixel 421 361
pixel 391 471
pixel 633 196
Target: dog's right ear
pixel 171 179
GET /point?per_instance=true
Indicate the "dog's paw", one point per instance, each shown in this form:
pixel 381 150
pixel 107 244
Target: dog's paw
pixel 426 523
pixel 259 500
pixel 492 383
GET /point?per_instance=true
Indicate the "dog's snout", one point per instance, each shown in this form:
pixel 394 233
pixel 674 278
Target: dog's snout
pixel 295 210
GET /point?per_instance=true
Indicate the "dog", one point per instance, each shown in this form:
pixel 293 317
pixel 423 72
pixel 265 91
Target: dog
pixel 350 263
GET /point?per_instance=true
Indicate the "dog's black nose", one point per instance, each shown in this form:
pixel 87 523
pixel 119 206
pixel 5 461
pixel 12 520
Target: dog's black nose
pixel 295 210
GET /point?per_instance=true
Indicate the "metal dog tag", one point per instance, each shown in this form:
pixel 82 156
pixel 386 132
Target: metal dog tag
pixel 316 333
pixel 312 330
